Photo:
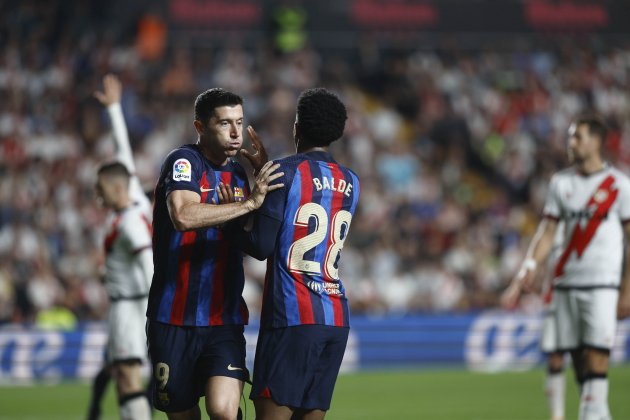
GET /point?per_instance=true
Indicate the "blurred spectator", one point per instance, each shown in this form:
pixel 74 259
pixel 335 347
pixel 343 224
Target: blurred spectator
pixel 454 150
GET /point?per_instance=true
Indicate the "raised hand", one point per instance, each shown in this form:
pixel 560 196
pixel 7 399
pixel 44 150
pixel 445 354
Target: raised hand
pixel 259 158
pixel 262 187
pixel 112 90
pixel 522 282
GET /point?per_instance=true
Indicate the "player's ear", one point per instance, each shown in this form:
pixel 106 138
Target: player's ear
pixel 199 127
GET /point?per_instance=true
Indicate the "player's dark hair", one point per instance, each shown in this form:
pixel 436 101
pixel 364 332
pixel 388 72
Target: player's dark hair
pixel 596 126
pixel 321 117
pixel 213 98
pixel 114 169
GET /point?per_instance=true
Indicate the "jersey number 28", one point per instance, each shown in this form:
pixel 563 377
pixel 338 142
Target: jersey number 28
pixel 339 225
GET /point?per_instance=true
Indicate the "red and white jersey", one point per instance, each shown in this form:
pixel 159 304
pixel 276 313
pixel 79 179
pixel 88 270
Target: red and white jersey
pixel 128 235
pixel 593 209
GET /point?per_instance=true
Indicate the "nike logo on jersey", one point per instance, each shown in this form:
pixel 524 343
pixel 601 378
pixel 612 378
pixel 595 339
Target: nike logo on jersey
pixel 230 367
pixel 202 189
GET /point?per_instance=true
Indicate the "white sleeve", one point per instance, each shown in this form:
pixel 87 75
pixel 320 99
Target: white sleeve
pixel 624 199
pixel 121 138
pixel 553 207
pixel 123 151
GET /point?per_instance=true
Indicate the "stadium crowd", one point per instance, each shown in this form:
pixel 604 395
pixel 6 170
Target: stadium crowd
pixel 454 150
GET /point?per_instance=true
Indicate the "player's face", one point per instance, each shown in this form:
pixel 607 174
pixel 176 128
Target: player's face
pixel 582 145
pixel 106 192
pixel 223 133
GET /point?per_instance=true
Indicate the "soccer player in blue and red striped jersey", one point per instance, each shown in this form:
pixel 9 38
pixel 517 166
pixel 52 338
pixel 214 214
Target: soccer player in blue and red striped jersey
pixel 196 311
pixel 301 229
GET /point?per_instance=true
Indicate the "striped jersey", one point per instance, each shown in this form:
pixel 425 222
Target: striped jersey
pixel 315 207
pixel 593 209
pixel 128 234
pixel 198 278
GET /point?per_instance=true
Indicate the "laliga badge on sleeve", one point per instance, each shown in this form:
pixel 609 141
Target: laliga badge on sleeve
pixel 182 171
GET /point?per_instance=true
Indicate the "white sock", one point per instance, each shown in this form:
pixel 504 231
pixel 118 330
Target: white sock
pixel 554 390
pixel 135 407
pixel 594 400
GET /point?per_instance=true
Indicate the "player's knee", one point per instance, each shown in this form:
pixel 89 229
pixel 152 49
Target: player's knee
pixel 596 360
pixel 555 362
pixel 224 409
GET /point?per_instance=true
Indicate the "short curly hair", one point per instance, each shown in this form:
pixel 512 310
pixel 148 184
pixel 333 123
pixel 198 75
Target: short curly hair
pixel 321 116
pixel 213 98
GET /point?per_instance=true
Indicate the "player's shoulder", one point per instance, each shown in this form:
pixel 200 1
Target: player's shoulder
pixel 189 152
pixel 133 215
pixel 619 175
pixel 564 173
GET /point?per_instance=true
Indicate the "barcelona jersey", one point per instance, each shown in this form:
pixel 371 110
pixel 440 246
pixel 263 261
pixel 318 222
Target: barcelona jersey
pixel 315 208
pixel 198 278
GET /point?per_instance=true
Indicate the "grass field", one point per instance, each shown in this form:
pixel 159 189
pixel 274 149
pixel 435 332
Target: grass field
pixel 451 395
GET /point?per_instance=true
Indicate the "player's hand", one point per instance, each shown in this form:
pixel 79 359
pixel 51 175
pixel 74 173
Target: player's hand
pixel 225 194
pixel 112 90
pixel 259 158
pixel 509 298
pixel 261 188
pixel 623 306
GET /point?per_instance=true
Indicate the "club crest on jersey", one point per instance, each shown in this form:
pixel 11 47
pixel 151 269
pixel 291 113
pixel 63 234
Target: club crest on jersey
pixel 238 193
pixel 182 170
pixel 600 196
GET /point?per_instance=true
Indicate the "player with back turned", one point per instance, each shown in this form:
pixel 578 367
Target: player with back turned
pixel 196 311
pixel 301 229
pixel 591 289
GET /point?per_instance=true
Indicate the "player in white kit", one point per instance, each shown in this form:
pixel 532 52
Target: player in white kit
pixel 129 262
pixel 592 200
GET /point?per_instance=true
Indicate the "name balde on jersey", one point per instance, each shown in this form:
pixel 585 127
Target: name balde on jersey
pixel 593 209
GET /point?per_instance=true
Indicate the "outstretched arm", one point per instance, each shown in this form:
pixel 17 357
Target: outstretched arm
pixel 537 253
pixel 110 99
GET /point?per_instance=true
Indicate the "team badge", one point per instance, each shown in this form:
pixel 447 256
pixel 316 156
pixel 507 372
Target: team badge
pixel 182 170
pixel 600 196
pixel 238 193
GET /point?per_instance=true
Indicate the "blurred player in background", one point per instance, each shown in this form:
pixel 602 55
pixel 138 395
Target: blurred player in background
pixel 128 265
pixel 301 229
pixel 592 199
pixel 196 309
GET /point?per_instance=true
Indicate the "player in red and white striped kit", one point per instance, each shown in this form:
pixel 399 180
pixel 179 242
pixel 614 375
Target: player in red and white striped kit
pixel 592 199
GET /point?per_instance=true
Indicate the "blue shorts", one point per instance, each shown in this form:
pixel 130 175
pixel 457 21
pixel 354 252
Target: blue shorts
pixel 298 366
pixel 183 358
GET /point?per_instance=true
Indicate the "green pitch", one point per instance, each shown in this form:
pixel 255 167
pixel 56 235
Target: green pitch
pixel 427 394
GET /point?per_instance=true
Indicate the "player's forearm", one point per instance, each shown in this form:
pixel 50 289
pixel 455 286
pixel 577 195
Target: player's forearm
pixel 121 137
pixel 541 245
pixel 192 216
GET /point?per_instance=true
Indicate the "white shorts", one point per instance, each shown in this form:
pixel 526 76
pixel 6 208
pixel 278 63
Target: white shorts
pixel 578 318
pixel 126 327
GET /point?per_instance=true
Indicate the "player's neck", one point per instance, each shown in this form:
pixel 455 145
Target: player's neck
pixel 216 158
pixel 591 166
pixel 122 204
pixel 305 148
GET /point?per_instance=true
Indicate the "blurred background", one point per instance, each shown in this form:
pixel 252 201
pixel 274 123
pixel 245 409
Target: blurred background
pixel 458 113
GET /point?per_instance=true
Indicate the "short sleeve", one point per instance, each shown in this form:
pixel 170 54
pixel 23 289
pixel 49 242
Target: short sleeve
pixel 275 201
pixel 553 208
pixel 182 171
pixel 136 230
pixel 624 199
